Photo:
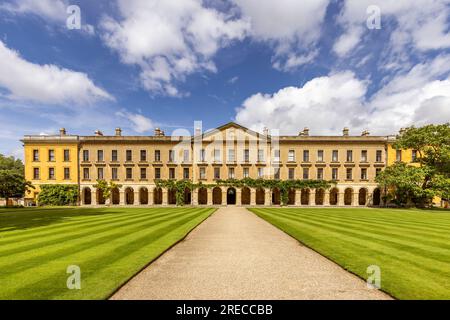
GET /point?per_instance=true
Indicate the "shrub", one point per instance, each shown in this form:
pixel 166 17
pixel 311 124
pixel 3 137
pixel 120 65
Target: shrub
pixel 58 195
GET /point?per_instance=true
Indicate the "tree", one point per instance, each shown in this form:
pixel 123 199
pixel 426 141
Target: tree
pixel 12 181
pixel 58 195
pixel 106 188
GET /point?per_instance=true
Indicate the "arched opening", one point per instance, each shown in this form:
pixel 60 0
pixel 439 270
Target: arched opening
pixel 320 195
pixel 87 196
pixel 217 195
pixel 260 196
pixel 348 197
pixel 291 197
pixel 100 197
pixel 187 196
pixel 245 196
pixel 304 197
pixel 143 195
pixel 334 194
pixel 362 197
pixel 376 197
pixel 172 196
pixel 157 196
pixel 115 196
pixel 231 196
pixel 202 196
pixel 276 196
pixel 129 196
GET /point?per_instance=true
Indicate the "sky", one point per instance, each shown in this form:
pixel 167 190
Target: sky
pixel 285 65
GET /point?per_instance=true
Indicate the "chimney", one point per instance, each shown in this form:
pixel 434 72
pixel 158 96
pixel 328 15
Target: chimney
pixel 198 131
pixel 98 133
pixel 62 131
pixel 345 132
pixel 306 131
pixel 265 131
pixel 365 133
pixel 118 132
pixel 157 132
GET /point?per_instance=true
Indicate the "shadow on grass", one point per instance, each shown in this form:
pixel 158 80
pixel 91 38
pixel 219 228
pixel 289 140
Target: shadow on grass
pixel 26 218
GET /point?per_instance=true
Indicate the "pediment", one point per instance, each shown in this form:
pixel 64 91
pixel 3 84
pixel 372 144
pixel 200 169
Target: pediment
pixel 232 131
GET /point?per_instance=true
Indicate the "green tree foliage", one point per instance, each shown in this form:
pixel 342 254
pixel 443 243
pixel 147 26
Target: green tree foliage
pixel 106 187
pixel 58 195
pixel 12 181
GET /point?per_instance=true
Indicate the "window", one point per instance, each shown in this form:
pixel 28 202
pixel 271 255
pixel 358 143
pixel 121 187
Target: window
pixel 363 174
pixel 260 172
pixel 291 174
pixel 202 173
pixel 129 173
pixel 320 155
pixel 319 173
pixel 276 155
pixel 246 155
pixel 291 155
pixel 216 155
pixel 185 173
pixel 185 155
pixel 35 155
pixel 398 155
pixel 305 173
pixel 114 155
pixel 334 174
pixel 349 155
pixel 246 173
pixel 171 155
pixel 413 155
pixel 157 173
pixel 157 155
pixel 216 173
pixel 202 155
pixel 305 155
pixel 379 156
pixel 143 173
pixel 85 155
pixel 377 172
pixel 171 173
pixel 349 174
pixel 129 155
pixel 35 173
pixel 230 173
pixel 114 174
pixel 143 155
pixel 51 155
pixel 100 155
pixel 51 173
pixel 66 155
pixel 276 173
pixel 86 173
pixel 260 155
pixel 231 155
pixel 363 155
pixel 100 173
pixel 335 156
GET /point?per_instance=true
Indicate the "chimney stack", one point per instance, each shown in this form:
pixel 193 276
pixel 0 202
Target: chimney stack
pixel 98 133
pixel 159 132
pixel 118 132
pixel 62 131
pixel 345 131
pixel 306 131
pixel 198 131
pixel 365 133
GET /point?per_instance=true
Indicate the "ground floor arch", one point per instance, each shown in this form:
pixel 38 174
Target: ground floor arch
pixel 276 196
pixel 245 196
pixel 291 197
pixel 304 197
pixel 334 196
pixel 348 196
pixel 187 196
pixel 260 196
pixel 362 196
pixel 87 196
pixel 202 195
pixel 115 196
pixel 319 197
pixel 143 195
pixel 217 195
pixel 376 198
pixel 99 196
pixel 129 196
pixel 172 196
pixel 157 196
pixel 231 196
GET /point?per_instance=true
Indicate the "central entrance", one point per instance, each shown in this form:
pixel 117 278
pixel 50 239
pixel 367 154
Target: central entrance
pixel 231 196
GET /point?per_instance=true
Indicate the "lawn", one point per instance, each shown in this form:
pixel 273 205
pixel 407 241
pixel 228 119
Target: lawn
pixel 411 247
pixel 109 245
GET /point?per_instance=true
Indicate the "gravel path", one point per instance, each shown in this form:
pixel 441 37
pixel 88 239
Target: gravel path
pixel 236 255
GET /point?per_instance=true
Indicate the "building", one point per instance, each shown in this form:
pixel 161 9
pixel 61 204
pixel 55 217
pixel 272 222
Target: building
pixel 230 151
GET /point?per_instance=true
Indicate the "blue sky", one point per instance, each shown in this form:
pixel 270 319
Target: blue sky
pixel 286 64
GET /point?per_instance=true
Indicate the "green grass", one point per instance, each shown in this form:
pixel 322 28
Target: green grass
pixel 411 247
pixel 109 245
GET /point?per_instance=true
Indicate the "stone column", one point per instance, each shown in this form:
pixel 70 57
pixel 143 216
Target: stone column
pixel 210 197
pixel 252 197
pixel 194 197
pixel 355 200
pixel 165 195
pixel 94 197
pixel 268 198
pixel 326 198
pixel 136 198
pixel 238 197
pixel 341 196
pixel 224 196
pixel 121 198
pixel 298 197
pixel 150 196
pixel 312 197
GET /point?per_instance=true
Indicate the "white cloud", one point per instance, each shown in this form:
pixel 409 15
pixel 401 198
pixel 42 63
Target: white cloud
pixel 45 83
pixel 233 80
pixel 139 122
pixel 327 104
pixel 50 9
pixel 169 39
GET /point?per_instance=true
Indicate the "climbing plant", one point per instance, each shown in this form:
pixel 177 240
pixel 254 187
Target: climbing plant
pixel 282 185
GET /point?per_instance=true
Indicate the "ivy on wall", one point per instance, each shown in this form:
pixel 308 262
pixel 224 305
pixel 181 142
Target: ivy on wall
pixel 282 185
pixel 58 195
